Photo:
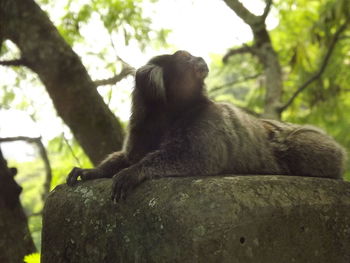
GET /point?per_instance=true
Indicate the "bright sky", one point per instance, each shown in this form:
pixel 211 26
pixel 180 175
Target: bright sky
pixel 202 27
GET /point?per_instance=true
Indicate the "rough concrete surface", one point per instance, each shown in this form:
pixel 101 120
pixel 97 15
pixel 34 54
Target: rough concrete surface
pixel 243 219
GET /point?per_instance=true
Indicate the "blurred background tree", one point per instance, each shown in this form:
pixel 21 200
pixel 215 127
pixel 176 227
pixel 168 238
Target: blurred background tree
pixel 312 46
pixel 67 66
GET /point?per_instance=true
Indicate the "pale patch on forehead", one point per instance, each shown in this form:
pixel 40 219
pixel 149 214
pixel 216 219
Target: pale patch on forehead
pixel 155 79
pixel 155 74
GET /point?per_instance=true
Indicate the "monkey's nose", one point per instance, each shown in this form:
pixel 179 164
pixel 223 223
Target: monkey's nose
pixel 201 67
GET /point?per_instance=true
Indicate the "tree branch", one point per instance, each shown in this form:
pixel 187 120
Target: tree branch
pixel 44 157
pixel 20 138
pixel 241 50
pixel 266 10
pixel 66 80
pixel 126 71
pixel 40 213
pixel 264 51
pixel 242 12
pixel 1 41
pixel 322 68
pixel 14 62
pixel 247 16
pixel 244 79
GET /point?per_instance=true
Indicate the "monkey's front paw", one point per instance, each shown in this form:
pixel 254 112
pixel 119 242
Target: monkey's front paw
pixel 124 182
pixel 73 176
pixel 84 174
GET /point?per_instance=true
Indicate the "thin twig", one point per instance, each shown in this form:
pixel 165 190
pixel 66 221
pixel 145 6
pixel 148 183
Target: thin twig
pixel 48 170
pixel 241 50
pixel 71 150
pixel 126 71
pixel 234 82
pixel 322 68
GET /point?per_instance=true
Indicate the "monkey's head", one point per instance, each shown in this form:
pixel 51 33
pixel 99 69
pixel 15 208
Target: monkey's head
pixel 171 80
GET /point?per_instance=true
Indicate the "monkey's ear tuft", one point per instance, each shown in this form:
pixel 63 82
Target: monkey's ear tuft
pixel 149 81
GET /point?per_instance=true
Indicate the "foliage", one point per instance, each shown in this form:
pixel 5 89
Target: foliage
pixel 32 258
pixel 115 20
pixel 118 17
pixel 304 34
pixel 237 84
pixel 301 39
pixel 119 23
pixel 63 154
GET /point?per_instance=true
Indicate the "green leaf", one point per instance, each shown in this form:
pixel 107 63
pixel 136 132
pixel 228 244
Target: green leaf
pixel 32 258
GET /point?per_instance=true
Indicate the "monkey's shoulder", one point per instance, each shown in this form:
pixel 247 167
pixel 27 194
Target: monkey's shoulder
pixel 233 116
pixel 220 110
pixel 220 118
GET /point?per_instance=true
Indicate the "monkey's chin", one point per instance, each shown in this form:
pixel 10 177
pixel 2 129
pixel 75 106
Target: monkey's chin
pixel 202 74
pixel 202 69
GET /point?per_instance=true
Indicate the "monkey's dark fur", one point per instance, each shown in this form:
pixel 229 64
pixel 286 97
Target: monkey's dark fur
pixel 175 130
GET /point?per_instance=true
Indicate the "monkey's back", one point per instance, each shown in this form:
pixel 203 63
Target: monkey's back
pixel 236 140
pixel 306 150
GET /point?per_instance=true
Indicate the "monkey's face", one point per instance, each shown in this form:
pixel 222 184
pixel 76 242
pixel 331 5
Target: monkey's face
pixel 171 79
pixel 184 65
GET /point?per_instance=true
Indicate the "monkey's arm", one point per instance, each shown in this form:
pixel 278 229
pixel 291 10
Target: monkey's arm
pixel 109 167
pixel 177 158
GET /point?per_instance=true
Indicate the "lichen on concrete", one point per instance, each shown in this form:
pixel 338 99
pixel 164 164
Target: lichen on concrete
pixel 212 219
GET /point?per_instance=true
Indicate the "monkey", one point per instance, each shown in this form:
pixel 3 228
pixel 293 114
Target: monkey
pixel 306 150
pixel 175 130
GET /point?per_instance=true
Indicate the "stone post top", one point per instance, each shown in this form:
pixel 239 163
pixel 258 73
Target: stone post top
pixel 201 219
pixel 237 186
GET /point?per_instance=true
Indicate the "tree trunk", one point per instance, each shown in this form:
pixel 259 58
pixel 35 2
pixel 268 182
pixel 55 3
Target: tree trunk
pixel 273 72
pixel 264 51
pixel 15 238
pixel 71 89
